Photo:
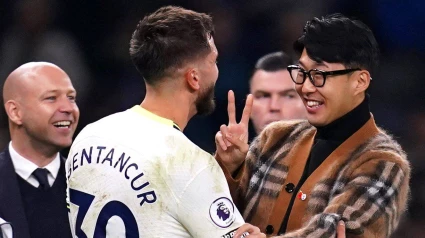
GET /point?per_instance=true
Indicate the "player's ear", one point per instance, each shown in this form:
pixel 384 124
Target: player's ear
pixel 13 111
pixel 362 82
pixel 192 79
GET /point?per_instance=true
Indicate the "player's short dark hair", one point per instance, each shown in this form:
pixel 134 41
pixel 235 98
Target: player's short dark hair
pixel 169 38
pixel 338 39
pixel 273 62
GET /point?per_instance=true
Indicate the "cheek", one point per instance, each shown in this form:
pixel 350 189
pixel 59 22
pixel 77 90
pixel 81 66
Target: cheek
pixel 292 110
pixel 290 107
pixel 298 88
pixel 258 107
pixel 76 113
pixel 256 111
pixel 214 72
pixel 34 113
pixel 333 99
pixel 300 105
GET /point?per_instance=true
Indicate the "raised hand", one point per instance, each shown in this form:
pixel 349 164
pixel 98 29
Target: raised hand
pixel 232 139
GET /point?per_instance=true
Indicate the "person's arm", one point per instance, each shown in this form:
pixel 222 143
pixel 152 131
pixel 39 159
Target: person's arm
pixel 238 160
pixel 204 205
pixel 370 201
pixel 238 182
pixel 232 146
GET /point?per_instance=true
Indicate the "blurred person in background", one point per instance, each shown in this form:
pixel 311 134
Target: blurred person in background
pixel 275 97
pixel 302 178
pixel 39 100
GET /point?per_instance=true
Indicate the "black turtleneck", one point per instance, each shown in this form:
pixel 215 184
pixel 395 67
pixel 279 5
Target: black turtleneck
pixel 327 139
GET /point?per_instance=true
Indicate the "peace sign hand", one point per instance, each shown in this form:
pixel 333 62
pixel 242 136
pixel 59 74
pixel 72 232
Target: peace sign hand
pixel 232 140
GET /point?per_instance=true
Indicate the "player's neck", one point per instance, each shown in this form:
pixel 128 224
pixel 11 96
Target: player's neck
pixel 175 106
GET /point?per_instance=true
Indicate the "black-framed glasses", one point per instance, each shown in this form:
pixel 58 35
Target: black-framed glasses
pixel 317 77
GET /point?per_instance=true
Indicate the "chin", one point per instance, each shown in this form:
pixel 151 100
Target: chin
pixel 316 121
pixel 63 144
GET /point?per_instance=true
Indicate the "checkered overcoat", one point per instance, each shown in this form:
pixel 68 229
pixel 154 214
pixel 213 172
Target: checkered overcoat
pixel 365 181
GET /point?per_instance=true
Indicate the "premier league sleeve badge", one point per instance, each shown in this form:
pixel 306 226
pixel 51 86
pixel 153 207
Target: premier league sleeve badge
pixel 222 212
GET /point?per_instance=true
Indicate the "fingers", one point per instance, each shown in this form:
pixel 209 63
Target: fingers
pixel 225 131
pixel 224 139
pixel 240 144
pixel 219 141
pixel 340 230
pixel 231 109
pixel 247 109
pixel 253 231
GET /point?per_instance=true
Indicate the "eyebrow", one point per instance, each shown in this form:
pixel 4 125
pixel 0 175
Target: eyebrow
pixel 280 92
pixel 56 91
pixel 291 90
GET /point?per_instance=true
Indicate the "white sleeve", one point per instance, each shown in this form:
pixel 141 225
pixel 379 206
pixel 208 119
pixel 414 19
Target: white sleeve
pixel 205 208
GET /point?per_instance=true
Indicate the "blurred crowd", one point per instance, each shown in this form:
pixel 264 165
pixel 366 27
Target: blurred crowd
pixel 90 41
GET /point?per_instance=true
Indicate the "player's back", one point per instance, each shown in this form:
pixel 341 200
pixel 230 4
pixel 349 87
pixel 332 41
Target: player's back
pixel 134 174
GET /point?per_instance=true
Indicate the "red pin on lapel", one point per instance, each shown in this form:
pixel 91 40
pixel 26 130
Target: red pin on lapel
pixel 301 195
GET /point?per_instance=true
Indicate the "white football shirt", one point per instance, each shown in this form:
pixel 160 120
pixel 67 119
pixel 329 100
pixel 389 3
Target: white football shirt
pixel 135 174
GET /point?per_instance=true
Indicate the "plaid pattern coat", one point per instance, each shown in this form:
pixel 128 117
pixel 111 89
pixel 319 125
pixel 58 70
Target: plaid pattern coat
pixel 365 182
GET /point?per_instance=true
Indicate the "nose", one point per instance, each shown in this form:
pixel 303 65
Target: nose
pixel 275 104
pixel 308 87
pixel 67 105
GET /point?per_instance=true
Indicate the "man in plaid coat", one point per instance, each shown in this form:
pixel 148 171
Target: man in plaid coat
pixel 300 178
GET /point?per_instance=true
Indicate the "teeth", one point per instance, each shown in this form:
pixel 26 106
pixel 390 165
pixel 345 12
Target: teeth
pixel 62 123
pixel 313 103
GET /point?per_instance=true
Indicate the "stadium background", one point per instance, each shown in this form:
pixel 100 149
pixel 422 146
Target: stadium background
pixel 89 40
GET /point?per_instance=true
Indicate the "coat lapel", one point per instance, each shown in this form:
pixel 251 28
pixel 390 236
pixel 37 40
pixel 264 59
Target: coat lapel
pixel 11 206
pixel 297 162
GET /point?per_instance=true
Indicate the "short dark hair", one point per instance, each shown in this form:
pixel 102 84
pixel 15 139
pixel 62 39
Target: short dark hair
pixel 273 62
pixel 338 39
pixel 169 38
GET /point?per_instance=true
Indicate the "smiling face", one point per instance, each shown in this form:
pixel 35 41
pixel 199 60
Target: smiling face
pixel 336 98
pixel 275 98
pixel 48 111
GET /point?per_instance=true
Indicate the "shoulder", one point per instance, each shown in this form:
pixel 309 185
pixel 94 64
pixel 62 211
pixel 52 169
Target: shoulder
pixel 188 166
pixel 5 162
pixel 286 128
pixel 286 131
pixel 102 123
pixel 385 145
pixel 185 151
pixel 382 150
pixel 114 126
pixel 5 156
